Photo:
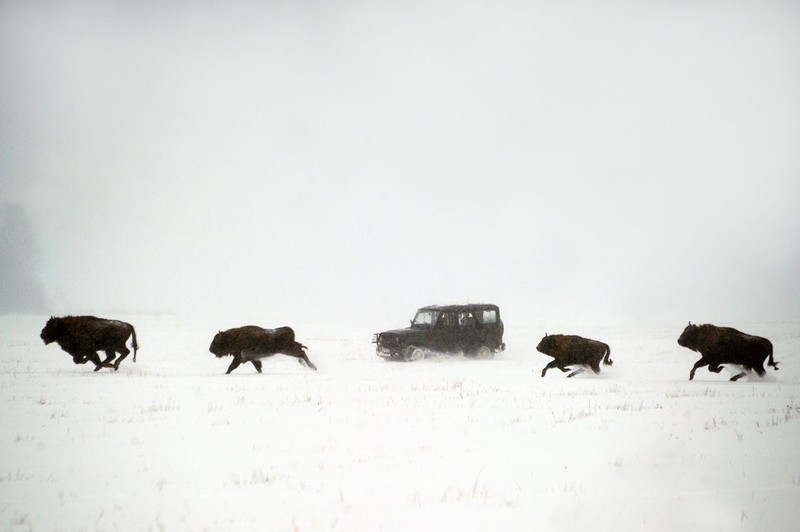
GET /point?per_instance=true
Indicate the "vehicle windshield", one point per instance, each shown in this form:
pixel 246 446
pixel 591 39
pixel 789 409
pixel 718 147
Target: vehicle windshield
pixel 425 317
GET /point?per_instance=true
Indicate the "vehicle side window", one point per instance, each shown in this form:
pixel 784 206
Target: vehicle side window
pixel 489 316
pixel 425 318
pixel 466 319
pixel 448 319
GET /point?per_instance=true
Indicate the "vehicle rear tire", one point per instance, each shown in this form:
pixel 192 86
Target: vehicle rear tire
pixel 412 353
pixel 484 353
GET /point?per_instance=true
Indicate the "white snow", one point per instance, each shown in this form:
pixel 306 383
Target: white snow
pixel 171 443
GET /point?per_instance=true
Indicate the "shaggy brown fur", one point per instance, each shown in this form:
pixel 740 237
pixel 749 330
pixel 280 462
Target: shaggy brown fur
pixel 83 336
pixel 725 345
pixel 569 350
pixel 251 344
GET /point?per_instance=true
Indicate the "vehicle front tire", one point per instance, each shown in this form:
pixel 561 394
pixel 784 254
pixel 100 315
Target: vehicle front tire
pixel 412 353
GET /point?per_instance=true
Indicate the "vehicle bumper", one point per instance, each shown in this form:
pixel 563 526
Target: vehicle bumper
pixel 384 352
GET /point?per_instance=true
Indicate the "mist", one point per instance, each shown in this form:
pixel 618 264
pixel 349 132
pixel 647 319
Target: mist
pixel 20 291
pixel 286 161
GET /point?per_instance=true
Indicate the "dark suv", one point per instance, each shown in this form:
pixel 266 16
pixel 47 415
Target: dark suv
pixel 474 330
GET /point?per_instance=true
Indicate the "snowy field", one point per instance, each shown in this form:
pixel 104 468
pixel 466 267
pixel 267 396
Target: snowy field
pixel 171 443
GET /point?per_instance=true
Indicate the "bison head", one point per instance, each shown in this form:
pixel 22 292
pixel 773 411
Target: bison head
pixel 690 338
pixel 546 345
pixel 52 331
pixel 220 345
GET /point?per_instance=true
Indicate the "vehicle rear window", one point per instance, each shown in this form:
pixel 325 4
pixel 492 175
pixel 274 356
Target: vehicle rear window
pixel 489 316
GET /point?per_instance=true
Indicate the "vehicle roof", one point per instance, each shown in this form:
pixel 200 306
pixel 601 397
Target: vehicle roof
pixel 465 306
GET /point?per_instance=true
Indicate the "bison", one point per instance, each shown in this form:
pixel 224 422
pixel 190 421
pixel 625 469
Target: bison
pixel 83 336
pixel 251 344
pixel 725 345
pixel 570 350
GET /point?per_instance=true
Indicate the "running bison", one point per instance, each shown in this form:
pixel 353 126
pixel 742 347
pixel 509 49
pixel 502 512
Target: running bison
pixel 569 350
pixel 251 344
pixel 724 345
pixel 83 336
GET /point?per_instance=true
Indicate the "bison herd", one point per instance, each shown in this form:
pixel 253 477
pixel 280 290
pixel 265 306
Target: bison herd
pixel 82 337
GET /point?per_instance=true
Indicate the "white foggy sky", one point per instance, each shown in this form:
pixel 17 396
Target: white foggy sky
pixel 297 159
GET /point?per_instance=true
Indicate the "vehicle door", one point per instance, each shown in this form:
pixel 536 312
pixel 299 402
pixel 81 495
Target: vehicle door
pixel 470 337
pixel 445 332
pixel 491 329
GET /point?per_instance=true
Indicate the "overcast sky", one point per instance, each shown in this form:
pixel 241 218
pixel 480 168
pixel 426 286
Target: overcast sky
pixel 295 160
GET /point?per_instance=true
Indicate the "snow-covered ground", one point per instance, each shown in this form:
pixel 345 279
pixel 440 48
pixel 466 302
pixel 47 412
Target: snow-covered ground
pixel 171 443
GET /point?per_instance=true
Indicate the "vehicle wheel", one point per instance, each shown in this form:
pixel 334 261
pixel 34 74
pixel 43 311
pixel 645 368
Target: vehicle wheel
pixel 484 353
pixel 413 353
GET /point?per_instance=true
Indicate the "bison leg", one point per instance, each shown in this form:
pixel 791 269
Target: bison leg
pixel 576 372
pixel 124 352
pixel 297 350
pixel 257 364
pixel 234 364
pixel 551 365
pixel 738 376
pixel 96 360
pixel 110 354
pixel 699 364
pixel 715 368
pixel 303 360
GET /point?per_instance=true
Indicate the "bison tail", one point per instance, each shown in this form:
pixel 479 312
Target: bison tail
pixel 607 359
pixel 771 362
pixel 134 345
